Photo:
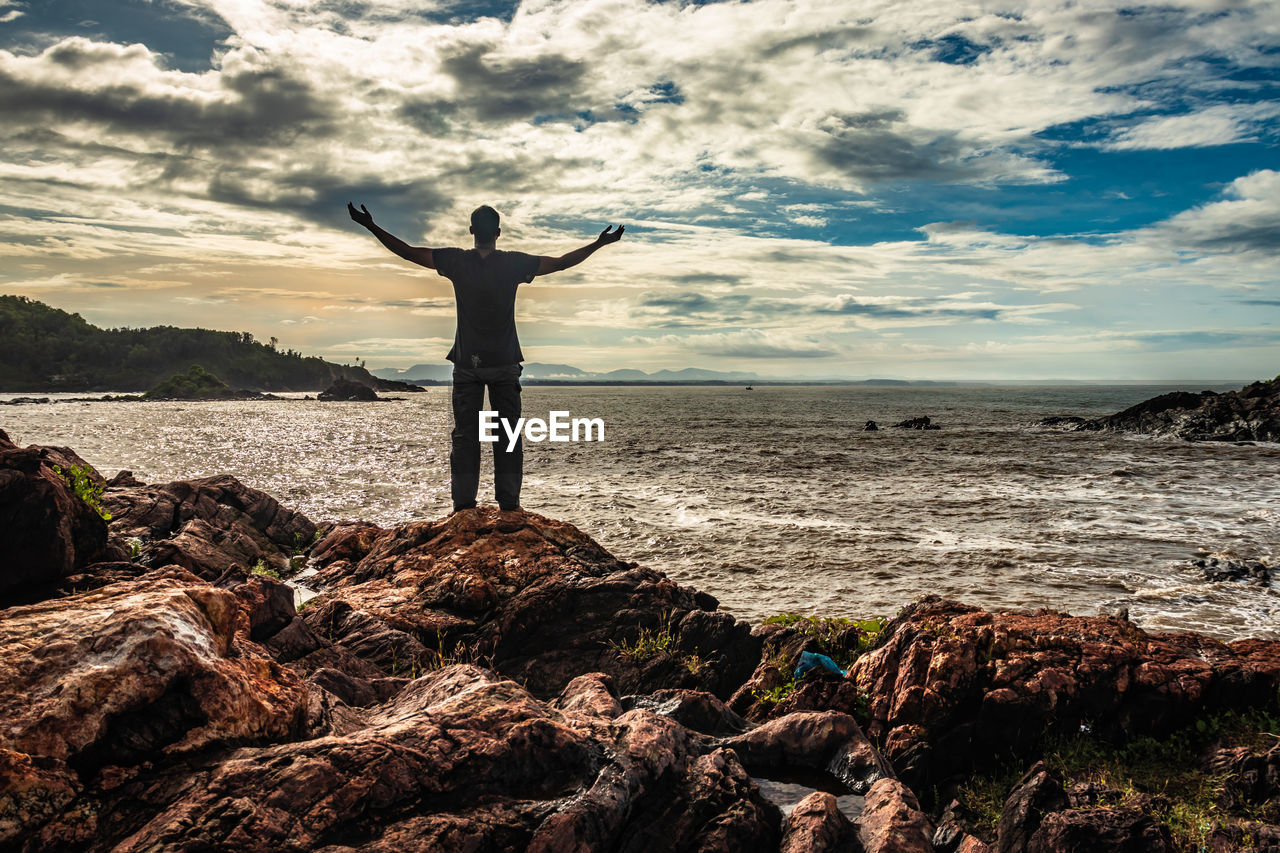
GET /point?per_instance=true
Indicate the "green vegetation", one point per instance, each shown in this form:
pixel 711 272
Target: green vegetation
pixel 833 634
pixel 261 568
pixel 45 349
pixel 86 490
pixel 195 384
pixel 843 640
pixel 1167 774
pixel 648 644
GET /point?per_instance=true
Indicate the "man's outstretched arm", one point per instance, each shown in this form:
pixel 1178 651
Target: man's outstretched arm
pixel 548 264
pixel 417 254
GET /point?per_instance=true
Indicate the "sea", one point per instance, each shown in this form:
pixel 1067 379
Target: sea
pixel 776 499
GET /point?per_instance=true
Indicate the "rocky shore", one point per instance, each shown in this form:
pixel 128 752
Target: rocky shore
pixel 1250 414
pixel 499 681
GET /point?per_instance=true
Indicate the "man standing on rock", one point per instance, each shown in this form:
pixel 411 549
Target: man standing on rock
pixel 486 351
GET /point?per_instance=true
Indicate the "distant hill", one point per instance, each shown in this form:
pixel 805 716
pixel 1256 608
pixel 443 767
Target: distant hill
pixel 535 370
pixel 45 349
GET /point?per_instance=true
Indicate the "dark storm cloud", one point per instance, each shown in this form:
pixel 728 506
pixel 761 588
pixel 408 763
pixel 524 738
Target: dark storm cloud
pixel 259 106
pixel 869 146
pixel 1258 236
pixel 321 196
pixel 503 90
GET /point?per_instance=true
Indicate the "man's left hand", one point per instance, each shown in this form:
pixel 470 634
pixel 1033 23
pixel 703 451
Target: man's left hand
pixel 363 216
pixel 606 236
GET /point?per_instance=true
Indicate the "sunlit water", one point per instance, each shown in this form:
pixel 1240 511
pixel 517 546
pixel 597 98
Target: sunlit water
pixel 775 499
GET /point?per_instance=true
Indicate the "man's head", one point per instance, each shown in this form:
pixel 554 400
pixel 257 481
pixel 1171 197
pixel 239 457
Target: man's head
pixel 484 224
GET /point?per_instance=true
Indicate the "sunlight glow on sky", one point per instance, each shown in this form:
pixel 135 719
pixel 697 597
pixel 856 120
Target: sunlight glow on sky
pixel 943 190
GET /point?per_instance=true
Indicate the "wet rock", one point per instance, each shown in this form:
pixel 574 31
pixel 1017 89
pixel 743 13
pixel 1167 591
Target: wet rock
pixel 870 426
pixel 816 825
pixel 954 686
pixel 135 672
pixel 208 525
pixel 536 598
pixel 922 422
pixel 1250 414
pixel 1066 423
pixel 694 709
pixel 1252 572
pixel 1102 830
pixel 1035 795
pixel 892 821
pixel 47 530
pixel 825 741
pixel 348 390
pixel 951 832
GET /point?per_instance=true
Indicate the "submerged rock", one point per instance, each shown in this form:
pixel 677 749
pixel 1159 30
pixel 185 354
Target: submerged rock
pixel 1253 572
pixel 922 422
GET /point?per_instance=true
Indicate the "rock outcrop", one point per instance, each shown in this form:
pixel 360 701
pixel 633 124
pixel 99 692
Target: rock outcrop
pixel 954 687
pixel 499 681
pixel 207 525
pixel 534 597
pixel 1250 414
pixel 48 531
pixel 348 390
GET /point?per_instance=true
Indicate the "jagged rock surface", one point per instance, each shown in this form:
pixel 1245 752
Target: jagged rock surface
pixel 1250 414
pixel 207 525
pixel 536 598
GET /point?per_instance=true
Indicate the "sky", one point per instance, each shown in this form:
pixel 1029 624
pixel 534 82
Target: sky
pixel 928 190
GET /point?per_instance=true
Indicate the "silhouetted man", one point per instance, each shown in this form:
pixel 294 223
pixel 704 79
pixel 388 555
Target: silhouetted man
pixel 486 351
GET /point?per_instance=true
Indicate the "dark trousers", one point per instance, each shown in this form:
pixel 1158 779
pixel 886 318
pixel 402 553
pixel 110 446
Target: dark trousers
pixel 469 384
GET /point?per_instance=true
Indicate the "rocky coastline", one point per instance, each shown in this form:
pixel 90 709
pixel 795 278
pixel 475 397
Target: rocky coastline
pixel 498 681
pixel 1250 414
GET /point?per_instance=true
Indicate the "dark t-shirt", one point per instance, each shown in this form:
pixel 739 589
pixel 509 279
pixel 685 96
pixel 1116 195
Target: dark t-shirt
pixel 485 291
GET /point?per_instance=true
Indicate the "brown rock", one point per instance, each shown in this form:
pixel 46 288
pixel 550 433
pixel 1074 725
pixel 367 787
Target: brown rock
pixel 1105 830
pixel 592 694
pixel 536 598
pixel 955 686
pixel 816 825
pixel 48 532
pixel 134 672
pixel 892 821
pixel 824 741
pixel 208 525
pixel 1035 795
pixel 459 759
pixel 694 709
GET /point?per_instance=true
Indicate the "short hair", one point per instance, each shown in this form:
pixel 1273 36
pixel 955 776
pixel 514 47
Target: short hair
pixel 484 221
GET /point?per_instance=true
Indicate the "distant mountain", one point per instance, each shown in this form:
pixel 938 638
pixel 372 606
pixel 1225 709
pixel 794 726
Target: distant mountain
pixel 46 349
pixel 539 371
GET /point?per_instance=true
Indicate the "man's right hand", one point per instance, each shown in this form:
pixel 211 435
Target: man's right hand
pixel 363 216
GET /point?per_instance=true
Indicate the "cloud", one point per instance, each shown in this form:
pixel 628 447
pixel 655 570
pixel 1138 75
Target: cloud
pixel 1220 124
pixel 1247 219
pixel 728 136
